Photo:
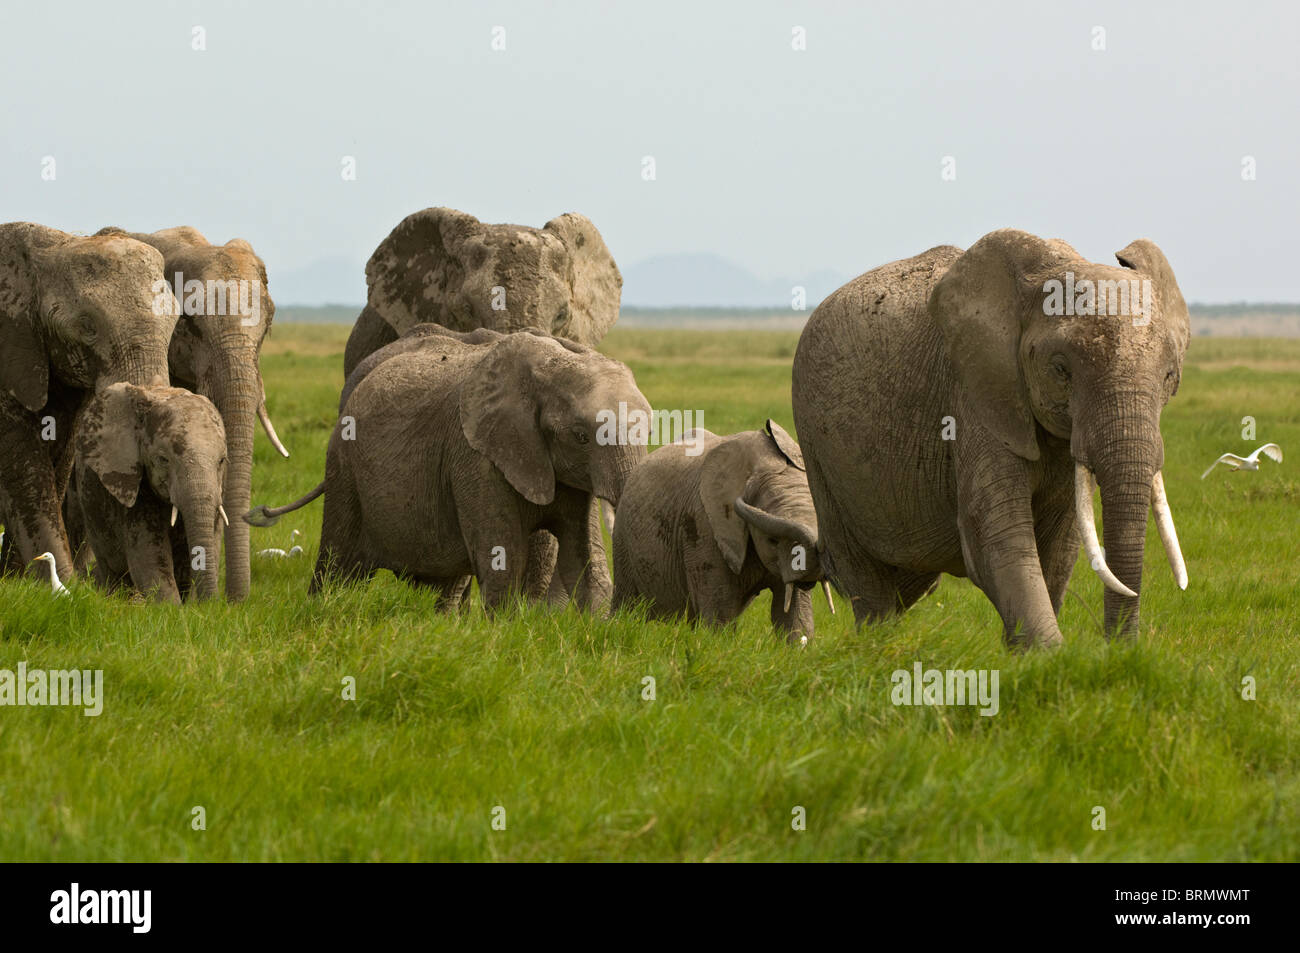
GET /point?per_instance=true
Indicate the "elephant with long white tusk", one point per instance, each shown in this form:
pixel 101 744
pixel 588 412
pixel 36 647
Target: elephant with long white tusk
pixel 708 523
pixel 957 410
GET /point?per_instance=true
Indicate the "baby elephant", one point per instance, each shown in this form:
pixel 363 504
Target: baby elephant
pixel 704 534
pixel 177 440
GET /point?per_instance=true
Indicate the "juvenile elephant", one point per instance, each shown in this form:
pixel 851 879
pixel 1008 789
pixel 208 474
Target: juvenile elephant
pixel 445 267
pixel 76 314
pixel 226 313
pixel 541 580
pixel 450 455
pixel 176 439
pixel 704 534
pixel 954 409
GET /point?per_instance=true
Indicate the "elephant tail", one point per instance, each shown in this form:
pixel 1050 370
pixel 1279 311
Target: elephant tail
pixel 264 515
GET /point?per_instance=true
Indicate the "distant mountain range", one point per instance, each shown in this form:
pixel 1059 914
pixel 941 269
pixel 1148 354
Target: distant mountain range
pixel 710 281
pixel 697 280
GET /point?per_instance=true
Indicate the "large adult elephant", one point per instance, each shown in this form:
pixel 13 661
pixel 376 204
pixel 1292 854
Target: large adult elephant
pixel 953 419
pixel 445 267
pixel 215 351
pixel 76 315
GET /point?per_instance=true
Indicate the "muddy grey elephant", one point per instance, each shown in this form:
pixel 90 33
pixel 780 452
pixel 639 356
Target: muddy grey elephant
pixel 226 313
pixel 709 522
pixel 957 408
pixel 150 469
pixel 76 314
pixel 445 267
pixel 454 450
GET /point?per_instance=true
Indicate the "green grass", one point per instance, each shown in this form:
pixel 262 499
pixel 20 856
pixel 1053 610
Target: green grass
pixel 238 709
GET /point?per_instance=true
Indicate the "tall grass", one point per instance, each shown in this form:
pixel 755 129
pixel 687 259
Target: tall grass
pixel 240 709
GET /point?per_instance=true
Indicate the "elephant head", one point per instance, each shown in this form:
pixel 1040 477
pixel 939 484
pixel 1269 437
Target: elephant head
pixel 85 312
pixel 1045 343
pixel 226 311
pixel 537 408
pixel 754 489
pixel 446 267
pixel 177 440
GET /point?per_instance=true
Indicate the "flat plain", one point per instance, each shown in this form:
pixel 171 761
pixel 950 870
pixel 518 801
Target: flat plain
pixel 537 718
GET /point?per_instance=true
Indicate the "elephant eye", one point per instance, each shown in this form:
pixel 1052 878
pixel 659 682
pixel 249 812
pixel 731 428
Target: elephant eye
pixel 580 435
pixel 1060 369
pixel 86 328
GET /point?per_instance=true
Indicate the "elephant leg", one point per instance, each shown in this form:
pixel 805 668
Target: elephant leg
pixel 498 550
pixel 1057 535
pixel 541 582
pixel 148 552
pixel 32 505
pixel 581 563
pixel 451 597
pixel 996 524
pixel 340 555
pixel 797 623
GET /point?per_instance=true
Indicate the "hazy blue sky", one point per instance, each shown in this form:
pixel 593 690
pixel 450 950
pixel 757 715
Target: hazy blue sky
pixel 784 161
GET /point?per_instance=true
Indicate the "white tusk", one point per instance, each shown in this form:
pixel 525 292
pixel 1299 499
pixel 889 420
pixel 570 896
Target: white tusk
pixel 222 510
pixel 1168 535
pixel 1083 487
pixel 829 601
pixel 789 591
pixel 265 418
pixel 173 514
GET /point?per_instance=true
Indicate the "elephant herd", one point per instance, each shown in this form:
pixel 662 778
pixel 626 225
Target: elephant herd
pixel 952 417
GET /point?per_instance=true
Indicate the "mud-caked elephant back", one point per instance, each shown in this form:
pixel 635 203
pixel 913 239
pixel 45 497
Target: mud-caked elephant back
pixel 597 284
pixel 418 273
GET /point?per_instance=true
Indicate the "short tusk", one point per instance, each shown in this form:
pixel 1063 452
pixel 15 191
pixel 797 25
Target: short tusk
pixel 173 514
pixel 269 427
pixel 789 591
pixel 1168 535
pixel 1083 487
pixel 222 510
pixel 826 586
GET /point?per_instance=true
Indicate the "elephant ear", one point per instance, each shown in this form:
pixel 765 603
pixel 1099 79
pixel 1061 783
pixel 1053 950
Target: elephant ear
pixel 499 415
pixel 726 470
pixel 108 440
pixel 980 306
pixel 24 363
pixel 596 282
pixel 420 267
pixel 1145 257
pixel 24 366
pixel 785 444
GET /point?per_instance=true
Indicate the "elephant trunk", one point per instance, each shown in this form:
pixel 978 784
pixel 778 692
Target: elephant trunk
pixel 610 468
pixel 236 390
pixel 135 359
pixel 198 508
pixel 1126 453
pixel 777 526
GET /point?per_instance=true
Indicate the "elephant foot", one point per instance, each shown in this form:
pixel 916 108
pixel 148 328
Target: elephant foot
pixel 1021 638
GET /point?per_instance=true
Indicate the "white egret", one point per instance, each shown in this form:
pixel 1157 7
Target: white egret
pixel 56 586
pixel 1270 450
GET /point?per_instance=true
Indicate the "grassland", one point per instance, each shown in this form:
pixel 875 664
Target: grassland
pixel 239 709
